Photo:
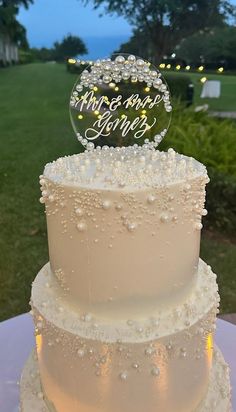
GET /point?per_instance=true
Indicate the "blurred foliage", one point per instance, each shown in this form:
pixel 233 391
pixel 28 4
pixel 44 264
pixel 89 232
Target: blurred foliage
pixel 212 142
pixel 75 68
pixel 26 56
pixel 42 55
pixel 216 46
pixel 220 202
pixel 9 25
pixel 163 24
pixel 209 140
pixel 70 46
pixel 181 87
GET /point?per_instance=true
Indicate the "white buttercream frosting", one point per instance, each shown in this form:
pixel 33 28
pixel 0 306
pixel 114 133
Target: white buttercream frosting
pixel 217 398
pixel 125 306
pixel 124 227
pixel 125 167
pixel 49 300
pixel 78 352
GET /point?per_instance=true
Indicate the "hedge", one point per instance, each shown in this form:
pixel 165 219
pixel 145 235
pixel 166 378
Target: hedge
pixel 181 87
pixel 221 202
pixel 213 142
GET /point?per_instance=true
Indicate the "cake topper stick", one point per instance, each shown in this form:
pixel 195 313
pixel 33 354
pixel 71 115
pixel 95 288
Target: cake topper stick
pixel 120 101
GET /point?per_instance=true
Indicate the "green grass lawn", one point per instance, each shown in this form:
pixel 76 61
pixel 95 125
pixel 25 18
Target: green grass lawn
pixel 35 129
pixel 226 102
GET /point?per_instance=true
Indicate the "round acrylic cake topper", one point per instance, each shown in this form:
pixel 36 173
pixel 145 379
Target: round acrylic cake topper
pixel 119 102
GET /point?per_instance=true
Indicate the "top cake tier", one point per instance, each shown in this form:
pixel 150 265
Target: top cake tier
pixel 124 228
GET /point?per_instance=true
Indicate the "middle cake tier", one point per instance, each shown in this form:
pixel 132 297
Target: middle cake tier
pixel 159 362
pixel 124 228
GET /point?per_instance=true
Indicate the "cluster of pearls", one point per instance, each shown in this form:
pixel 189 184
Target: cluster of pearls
pixel 132 166
pixel 125 168
pixel 121 69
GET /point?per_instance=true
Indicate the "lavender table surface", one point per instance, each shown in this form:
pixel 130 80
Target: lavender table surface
pixel 17 341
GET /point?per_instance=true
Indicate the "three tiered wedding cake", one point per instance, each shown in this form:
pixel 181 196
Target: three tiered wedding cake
pixel 125 311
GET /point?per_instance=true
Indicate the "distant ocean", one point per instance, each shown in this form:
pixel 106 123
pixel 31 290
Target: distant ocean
pixel 103 46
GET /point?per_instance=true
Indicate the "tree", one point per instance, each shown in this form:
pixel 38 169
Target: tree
pixel 71 46
pixel 43 54
pixel 9 26
pixel 167 22
pixel 17 3
pixel 215 47
pixel 137 45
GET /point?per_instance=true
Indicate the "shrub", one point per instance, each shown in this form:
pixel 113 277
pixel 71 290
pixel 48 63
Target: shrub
pixel 26 57
pixel 211 141
pixel 181 87
pixel 75 68
pixel 220 202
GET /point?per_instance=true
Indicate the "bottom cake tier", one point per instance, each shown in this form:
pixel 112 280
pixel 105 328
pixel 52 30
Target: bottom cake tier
pixel 217 398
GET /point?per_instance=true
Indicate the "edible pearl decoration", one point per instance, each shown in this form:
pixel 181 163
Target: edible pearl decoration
pixel 216 399
pixel 79 211
pixel 123 376
pixel 81 226
pixel 155 371
pixel 106 204
pixel 133 166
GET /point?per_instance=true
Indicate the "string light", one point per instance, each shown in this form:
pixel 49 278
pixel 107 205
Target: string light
pixel 144 111
pixel 161 65
pixel 203 80
pixel 112 85
pixel 116 88
pixel 95 88
pixel 147 89
pixel 96 112
pixel 80 116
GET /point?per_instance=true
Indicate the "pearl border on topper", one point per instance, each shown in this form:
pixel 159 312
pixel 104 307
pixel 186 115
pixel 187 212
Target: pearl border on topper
pixel 121 68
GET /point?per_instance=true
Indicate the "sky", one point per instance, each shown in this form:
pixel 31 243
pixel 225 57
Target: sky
pixel 48 21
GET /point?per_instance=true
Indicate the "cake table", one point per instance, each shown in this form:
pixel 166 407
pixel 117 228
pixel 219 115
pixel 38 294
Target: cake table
pixel 17 340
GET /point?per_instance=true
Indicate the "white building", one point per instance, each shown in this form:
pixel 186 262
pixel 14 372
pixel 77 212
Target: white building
pixel 8 51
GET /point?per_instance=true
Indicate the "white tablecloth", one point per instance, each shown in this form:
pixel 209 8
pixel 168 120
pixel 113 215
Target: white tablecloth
pixel 17 340
pixel 211 89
